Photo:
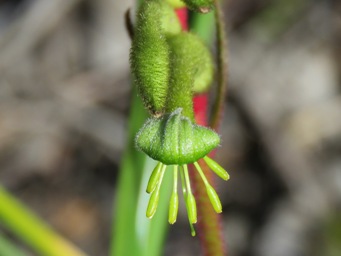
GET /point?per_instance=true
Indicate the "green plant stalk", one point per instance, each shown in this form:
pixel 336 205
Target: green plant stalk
pixel 125 240
pixel 203 26
pixel 7 248
pixel 133 233
pixel 27 226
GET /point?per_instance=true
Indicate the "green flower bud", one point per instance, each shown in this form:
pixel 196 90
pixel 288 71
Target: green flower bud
pixel 174 139
pixel 149 56
pixel 203 64
pixel 191 70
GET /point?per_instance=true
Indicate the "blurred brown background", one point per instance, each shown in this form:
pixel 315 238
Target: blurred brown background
pixel 64 103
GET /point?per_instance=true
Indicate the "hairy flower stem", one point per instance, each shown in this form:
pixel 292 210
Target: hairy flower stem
pixel 209 223
pixel 217 111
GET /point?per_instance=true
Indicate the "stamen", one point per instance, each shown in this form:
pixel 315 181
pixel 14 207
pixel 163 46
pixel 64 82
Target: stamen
pixel 193 233
pixel 183 184
pixel 154 178
pixel 174 201
pixel 212 194
pixel 190 200
pixel 220 171
pixel 155 196
pixel 184 192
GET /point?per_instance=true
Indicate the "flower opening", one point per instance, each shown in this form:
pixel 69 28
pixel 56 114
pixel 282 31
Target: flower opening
pixel 155 182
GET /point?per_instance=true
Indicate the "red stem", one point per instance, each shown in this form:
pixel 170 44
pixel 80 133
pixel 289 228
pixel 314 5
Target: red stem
pixel 209 223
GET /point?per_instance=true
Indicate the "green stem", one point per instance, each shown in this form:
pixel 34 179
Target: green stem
pixel 218 106
pixel 22 222
pixel 209 226
pixel 125 240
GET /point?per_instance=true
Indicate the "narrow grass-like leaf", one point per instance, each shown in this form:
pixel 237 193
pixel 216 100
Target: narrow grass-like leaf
pixel 32 230
pixel 125 239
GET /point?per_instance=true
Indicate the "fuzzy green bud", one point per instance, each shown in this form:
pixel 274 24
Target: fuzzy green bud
pixel 149 56
pixel 174 139
pixel 191 71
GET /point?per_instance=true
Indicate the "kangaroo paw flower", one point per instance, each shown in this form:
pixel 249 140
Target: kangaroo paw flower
pixel 174 140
